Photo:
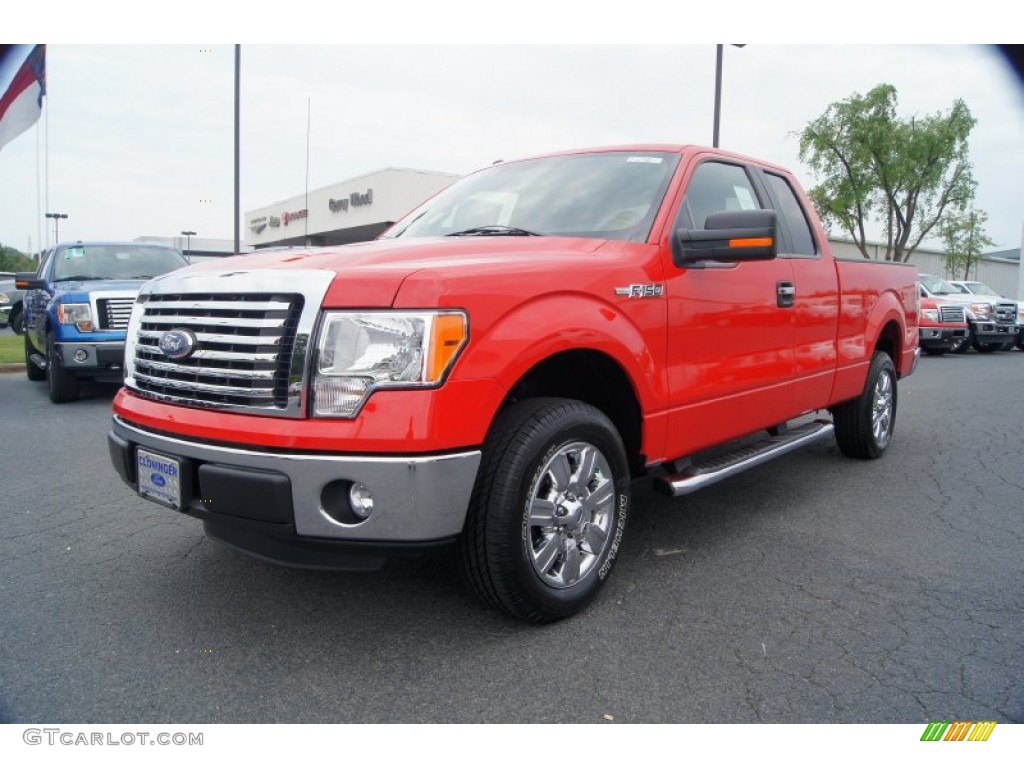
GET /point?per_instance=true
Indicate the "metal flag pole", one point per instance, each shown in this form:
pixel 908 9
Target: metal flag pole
pixel 39 197
pixel 238 213
pixel 309 103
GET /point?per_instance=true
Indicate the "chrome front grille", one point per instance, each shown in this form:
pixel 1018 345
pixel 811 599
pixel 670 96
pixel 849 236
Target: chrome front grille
pixel 242 353
pixel 113 314
pixel 952 314
pixel 1006 313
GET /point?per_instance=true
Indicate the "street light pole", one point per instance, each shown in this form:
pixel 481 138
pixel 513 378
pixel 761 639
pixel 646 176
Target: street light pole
pixel 188 234
pixel 56 224
pixel 718 89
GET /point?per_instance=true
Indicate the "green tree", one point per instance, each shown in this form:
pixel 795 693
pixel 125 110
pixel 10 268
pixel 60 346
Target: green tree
pixel 876 169
pixel 13 260
pixel 964 235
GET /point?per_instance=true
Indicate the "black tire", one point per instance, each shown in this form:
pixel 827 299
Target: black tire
pixel 548 510
pixel 985 347
pixel 33 371
pixel 864 426
pixel 62 386
pixel 17 320
pixel 934 352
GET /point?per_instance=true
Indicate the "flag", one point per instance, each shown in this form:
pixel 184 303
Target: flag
pixel 22 87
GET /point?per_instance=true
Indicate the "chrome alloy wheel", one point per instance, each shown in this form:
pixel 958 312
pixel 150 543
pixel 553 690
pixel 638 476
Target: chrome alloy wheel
pixel 882 408
pixel 571 509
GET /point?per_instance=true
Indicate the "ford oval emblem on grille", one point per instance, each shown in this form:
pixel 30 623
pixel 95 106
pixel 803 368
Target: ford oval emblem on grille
pixel 177 343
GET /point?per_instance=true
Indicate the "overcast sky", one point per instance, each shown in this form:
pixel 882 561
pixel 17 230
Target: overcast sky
pixel 140 137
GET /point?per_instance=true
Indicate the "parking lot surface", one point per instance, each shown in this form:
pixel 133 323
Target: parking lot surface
pixel 813 589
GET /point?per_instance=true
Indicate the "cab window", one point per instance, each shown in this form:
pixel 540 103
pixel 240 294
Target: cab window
pixel 716 187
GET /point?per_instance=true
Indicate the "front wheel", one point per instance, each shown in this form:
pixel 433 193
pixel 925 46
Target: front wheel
pixel 864 426
pixel 61 385
pixel 548 511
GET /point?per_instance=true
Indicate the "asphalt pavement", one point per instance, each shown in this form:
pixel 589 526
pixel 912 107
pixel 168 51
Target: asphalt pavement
pixel 813 589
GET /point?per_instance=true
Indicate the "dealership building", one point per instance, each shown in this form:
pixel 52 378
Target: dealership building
pixel 347 212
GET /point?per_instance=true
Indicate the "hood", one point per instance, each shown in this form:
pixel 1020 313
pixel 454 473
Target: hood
pixel 85 286
pixel 370 274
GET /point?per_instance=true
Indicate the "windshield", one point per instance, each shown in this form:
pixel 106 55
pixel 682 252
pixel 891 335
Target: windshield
pixel 115 262
pixel 938 287
pixel 610 195
pixel 980 289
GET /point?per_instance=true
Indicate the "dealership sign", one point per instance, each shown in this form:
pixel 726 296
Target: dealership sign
pixel 356 199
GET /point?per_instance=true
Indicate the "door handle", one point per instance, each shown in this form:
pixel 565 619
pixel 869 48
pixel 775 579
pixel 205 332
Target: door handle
pixel 785 293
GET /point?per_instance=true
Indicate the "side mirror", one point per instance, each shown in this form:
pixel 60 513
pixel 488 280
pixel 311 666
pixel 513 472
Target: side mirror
pixel 26 281
pixel 728 236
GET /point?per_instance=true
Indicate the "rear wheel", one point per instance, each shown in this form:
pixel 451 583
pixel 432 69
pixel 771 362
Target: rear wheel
pixel 864 426
pixel 548 511
pixel 62 386
pixel 33 371
pixel 17 320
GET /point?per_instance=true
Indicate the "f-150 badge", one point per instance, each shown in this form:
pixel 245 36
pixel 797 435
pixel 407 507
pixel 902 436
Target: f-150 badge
pixel 641 290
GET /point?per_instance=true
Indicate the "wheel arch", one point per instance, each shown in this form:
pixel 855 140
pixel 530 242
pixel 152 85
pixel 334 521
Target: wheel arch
pixel 592 377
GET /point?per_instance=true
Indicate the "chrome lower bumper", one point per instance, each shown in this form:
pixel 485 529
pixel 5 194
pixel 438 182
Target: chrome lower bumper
pixel 415 498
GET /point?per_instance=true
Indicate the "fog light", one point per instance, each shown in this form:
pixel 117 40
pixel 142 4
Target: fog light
pixel 361 501
pixel 81 355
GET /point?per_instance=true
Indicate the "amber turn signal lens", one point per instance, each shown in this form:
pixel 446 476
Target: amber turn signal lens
pixel 751 242
pixel 447 335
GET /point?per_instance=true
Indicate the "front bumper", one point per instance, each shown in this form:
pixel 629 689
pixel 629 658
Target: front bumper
pixel 989 332
pixel 5 315
pixel 291 507
pixel 92 358
pixel 940 338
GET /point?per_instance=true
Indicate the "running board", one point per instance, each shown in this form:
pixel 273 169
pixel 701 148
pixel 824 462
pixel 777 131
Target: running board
pixel 39 360
pixel 697 476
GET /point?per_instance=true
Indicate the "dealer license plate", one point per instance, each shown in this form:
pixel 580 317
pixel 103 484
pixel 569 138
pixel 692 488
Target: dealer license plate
pixel 159 478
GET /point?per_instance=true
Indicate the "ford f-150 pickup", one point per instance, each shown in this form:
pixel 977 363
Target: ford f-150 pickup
pixel 76 310
pixel 490 375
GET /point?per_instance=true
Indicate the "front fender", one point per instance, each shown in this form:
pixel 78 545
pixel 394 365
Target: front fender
pixel 545 326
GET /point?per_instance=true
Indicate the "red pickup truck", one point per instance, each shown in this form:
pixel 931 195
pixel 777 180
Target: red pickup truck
pixel 492 373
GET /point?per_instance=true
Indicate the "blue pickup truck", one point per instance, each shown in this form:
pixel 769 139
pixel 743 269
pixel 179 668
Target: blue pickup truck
pixel 77 306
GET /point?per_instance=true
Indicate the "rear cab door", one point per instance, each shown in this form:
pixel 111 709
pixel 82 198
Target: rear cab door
pixel 815 315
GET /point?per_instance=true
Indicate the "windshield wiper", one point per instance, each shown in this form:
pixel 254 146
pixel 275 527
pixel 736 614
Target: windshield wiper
pixel 494 229
pixel 79 277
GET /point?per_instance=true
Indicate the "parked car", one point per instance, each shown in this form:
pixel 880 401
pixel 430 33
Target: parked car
pixel 992 320
pixel 77 307
pixel 488 377
pixel 943 326
pixel 983 293
pixel 11 305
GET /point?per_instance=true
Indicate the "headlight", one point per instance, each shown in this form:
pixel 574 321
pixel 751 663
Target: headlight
pixel 78 315
pixel 4 299
pixel 359 352
pixel 930 314
pixel 982 311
